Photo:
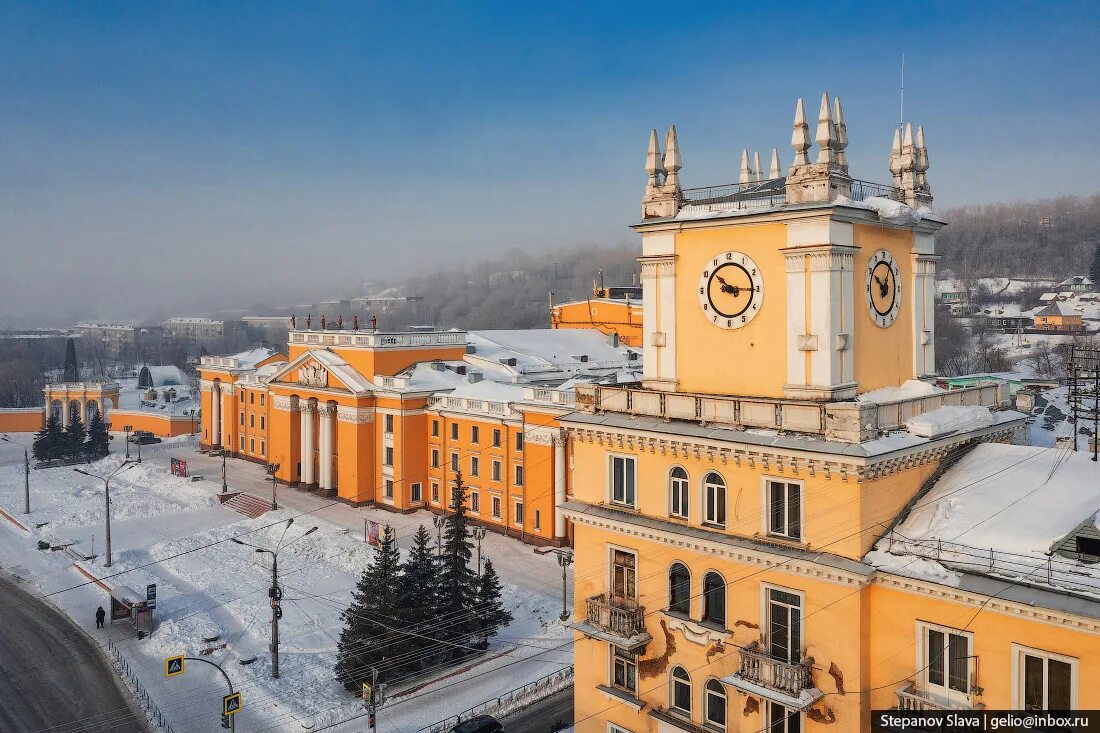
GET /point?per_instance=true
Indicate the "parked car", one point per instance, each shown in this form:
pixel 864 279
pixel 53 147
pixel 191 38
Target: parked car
pixel 143 437
pixel 480 724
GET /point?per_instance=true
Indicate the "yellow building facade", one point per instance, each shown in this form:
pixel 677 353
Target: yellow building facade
pixel 729 510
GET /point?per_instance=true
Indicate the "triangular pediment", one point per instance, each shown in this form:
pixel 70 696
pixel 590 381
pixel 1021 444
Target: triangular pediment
pixel 320 370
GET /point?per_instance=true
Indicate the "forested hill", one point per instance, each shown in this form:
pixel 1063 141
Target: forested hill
pixel 1048 238
pixel 512 290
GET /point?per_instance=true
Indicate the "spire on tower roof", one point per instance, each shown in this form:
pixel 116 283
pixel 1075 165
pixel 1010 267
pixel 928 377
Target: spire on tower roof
pixel 672 164
pixel 841 132
pixel 746 171
pixel 653 164
pixel 800 135
pixel 895 158
pixel 774 172
pixel 826 132
pixel 757 169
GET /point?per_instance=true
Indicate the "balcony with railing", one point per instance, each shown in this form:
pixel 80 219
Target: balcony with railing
pixel 769 193
pixel 909 698
pixel 851 422
pixel 788 683
pixel 377 339
pixel 620 621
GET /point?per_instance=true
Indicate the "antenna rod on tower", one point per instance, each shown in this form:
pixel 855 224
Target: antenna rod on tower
pixel 901 121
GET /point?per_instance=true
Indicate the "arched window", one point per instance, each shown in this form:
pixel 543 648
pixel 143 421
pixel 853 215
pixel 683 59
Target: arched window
pixel 679 589
pixel 714 704
pixel 678 493
pixel 714 598
pixel 679 694
pixel 714 499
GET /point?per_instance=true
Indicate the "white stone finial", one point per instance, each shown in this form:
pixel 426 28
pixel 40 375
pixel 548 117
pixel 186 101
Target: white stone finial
pixel 757 169
pixel 826 132
pixel 800 135
pixel 841 132
pixel 746 171
pixel 653 160
pixel 922 151
pixel 774 172
pixel 673 164
pixel 895 158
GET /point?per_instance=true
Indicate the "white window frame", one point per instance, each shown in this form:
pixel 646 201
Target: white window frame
pixel 475 502
pixel 455 465
pixel 496 506
pixel 681 486
pixel 388 489
pixel 611 458
pixel 765 618
pixel 943 693
pixel 672 682
pixel 435 492
pixel 475 434
pixel 416 493
pixel 475 466
pixel 612 728
pixel 766 505
pixel 1018 652
pixel 519 442
pixel 387 423
pixel 435 458
pixel 497 438
pixel 519 513
pixel 611 670
pixel 519 475
pixel 768 716
pixel 454 431
pixel 538 520
pixel 707 722
pixel 611 549
pixel 707 518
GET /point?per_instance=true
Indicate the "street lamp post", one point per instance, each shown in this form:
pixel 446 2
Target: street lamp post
pixel 192 414
pixel 439 523
pixel 479 535
pixel 107 495
pixel 225 486
pixel 273 468
pixel 26 476
pixel 275 592
pixel 565 559
pixel 127 428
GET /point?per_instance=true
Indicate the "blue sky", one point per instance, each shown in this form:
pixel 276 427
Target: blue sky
pixel 261 150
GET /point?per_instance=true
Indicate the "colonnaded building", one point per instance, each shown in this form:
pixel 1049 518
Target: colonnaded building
pixel 785 525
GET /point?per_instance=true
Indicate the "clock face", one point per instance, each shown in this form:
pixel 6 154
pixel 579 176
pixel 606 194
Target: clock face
pixel 883 288
pixel 731 290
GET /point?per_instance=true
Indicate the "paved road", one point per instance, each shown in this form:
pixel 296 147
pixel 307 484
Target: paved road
pixel 545 716
pixel 51 674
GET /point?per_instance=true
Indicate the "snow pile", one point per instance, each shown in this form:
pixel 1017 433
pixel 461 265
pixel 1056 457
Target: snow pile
pixel 910 389
pixel 945 420
pixel 911 567
pixel 888 210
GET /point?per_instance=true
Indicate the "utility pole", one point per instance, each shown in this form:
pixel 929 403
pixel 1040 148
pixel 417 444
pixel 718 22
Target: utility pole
pixel 275 592
pixel 373 700
pixel 479 535
pixel 273 468
pixel 107 497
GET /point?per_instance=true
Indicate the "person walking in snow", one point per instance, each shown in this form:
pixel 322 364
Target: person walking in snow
pixel 100 614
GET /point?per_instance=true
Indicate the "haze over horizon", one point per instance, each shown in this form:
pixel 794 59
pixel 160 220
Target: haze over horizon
pixel 176 160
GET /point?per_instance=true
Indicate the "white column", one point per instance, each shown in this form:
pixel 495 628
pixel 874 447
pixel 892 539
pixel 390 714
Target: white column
pixel 924 307
pixel 326 413
pixel 65 407
pixel 307 442
pixel 559 484
pixel 215 415
pixel 227 418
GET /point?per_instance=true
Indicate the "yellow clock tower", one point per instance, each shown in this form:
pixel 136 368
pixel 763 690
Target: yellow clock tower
pixel 826 296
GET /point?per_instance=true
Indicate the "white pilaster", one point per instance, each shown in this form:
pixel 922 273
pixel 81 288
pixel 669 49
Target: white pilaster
pixel 216 415
pixel 659 311
pixel 227 417
pixel 559 484
pixel 326 413
pixel 924 314
pixel 308 477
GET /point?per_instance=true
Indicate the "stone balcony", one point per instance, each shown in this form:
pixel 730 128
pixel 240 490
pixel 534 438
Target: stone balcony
pixel 847 422
pixel 909 698
pixel 619 621
pixel 788 683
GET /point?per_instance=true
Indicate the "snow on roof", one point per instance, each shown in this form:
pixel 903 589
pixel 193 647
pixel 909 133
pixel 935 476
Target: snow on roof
pixel 910 389
pixel 1047 297
pixel 1056 309
pixel 1018 502
pixel 1076 280
pixel 249 359
pixel 489 390
pixel 133 397
pixel 158 376
pixel 949 419
pixel 544 353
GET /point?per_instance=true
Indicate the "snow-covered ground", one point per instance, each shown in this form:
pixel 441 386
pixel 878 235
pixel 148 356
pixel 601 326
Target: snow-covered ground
pixel 174 532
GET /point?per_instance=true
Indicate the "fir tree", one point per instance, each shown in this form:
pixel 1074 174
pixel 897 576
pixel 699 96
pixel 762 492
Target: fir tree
pixel 73 440
pixel 49 441
pixel 98 439
pixel 418 600
pixel 1094 270
pixel 72 368
pixel 490 611
pixel 366 640
pixel 457 593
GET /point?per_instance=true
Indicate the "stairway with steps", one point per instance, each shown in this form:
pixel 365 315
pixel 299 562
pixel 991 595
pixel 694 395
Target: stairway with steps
pixel 248 505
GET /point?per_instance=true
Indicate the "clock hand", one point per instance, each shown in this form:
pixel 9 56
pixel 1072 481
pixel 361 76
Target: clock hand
pixel 726 287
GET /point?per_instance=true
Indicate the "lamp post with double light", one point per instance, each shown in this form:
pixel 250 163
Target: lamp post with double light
pixel 126 465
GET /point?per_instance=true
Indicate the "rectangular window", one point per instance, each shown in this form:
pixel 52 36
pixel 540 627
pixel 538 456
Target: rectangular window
pixel 624 673
pixel 475 502
pixel 263 423
pixel 783 720
pixel 454 462
pixel 946 660
pixel 519 512
pixel 435 492
pixel 387 459
pixel 785 510
pixel 262 400
pixel 454 431
pixel 784 624
pixel 496 507
pixel 251 445
pixel 624 574
pixel 263 448
pixel 435 428
pixel 538 520
pixel 496 438
pixel 519 476
pixel 622 480
pixel 475 434
pixel 435 458
pixel 252 420
pixel 1045 681
pixel 519 441
pixel 242 442
pixel 496 470
pixel 389 489
pixel 414 493
pixel 475 466
pixel 387 421
pixel 251 398
pixel 242 418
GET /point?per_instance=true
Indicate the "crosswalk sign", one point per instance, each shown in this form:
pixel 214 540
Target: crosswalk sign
pixel 173 666
pixel 231 703
pixel 367 692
